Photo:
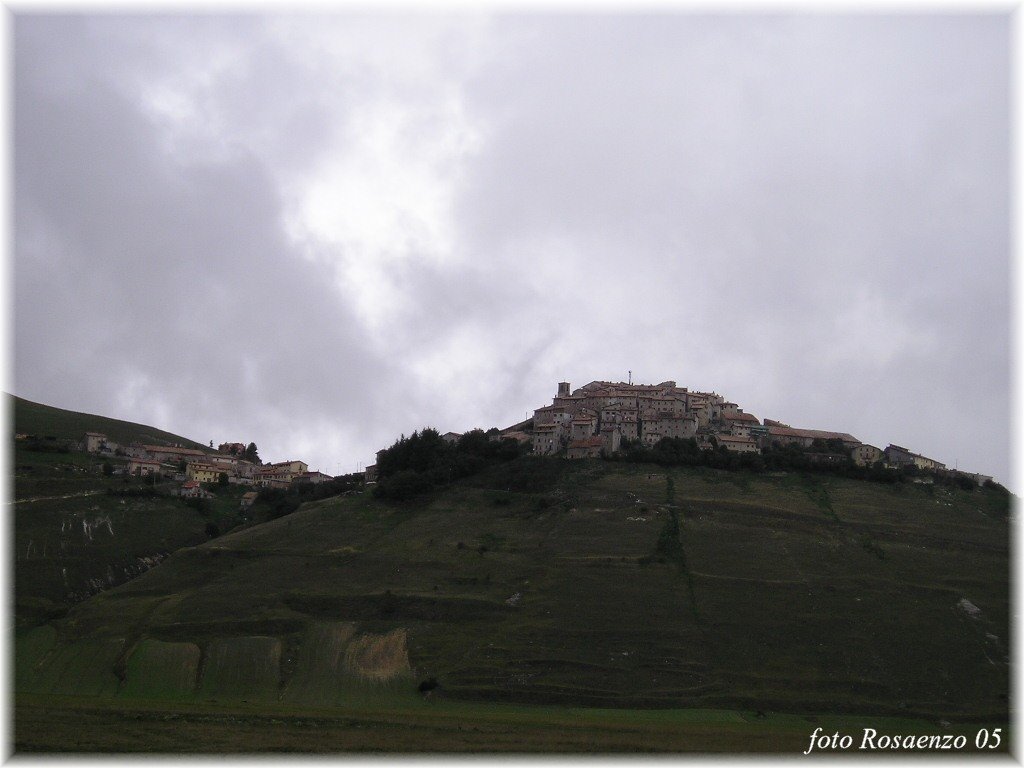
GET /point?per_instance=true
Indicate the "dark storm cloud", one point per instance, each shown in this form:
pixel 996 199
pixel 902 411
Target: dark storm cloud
pixel 807 213
pixel 160 281
pixel 330 230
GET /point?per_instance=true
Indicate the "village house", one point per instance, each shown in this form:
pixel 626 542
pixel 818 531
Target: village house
pixel 94 441
pixel 898 456
pixel 583 426
pixel 312 477
pixel 203 472
pixel 611 438
pixel 737 444
pixel 227 461
pixel 279 475
pixel 738 423
pixel 174 454
pixel 785 435
pixel 248 499
pixel 588 447
pixel 191 489
pixel 659 424
pixel 865 455
pixel 143 467
pixel 547 439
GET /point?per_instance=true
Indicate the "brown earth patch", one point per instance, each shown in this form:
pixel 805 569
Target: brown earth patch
pixel 378 657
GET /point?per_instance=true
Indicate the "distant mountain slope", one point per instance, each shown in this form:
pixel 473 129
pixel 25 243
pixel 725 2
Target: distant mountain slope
pixel 581 583
pixel 45 420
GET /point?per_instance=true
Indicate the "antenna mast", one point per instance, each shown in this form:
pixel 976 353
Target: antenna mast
pixel 631 378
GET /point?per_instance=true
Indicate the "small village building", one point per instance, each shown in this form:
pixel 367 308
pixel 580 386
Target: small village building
pixel 143 467
pixel 292 467
pixel 784 435
pixel 370 474
pixel 628 427
pixel 94 442
pixel 658 424
pixel 279 475
pixel 612 437
pixel 223 460
pixel 865 455
pixel 738 429
pixel 451 437
pixel 202 472
pixel 313 477
pixel 737 444
pixel 587 448
pixel 248 499
pixel 547 439
pixel 898 456
pixel 174 453
pixel 191 489
pixel 739 423
pixel 923 462
pixel 583 427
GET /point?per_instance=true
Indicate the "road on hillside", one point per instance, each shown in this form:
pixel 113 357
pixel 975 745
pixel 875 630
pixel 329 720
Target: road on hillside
pixel 56 498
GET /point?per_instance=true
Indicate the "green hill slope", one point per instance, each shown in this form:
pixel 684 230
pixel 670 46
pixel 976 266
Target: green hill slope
pixel 574 583
pixel 45 420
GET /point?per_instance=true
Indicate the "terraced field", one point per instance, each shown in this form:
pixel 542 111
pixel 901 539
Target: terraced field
pixel 547 582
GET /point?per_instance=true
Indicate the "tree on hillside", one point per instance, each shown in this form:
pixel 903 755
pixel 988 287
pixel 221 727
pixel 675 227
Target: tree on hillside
pixel 250 454
pixel 424 461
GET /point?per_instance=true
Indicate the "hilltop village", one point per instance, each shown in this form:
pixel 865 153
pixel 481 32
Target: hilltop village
pixel 237 463
pixel 596 418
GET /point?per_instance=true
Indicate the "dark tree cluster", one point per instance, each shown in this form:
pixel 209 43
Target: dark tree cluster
pixel 822 456
pixel 284 501
pixel 684 452
pixel 424 461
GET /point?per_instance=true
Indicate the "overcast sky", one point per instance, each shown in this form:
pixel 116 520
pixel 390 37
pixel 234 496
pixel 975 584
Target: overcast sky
pixel 320 232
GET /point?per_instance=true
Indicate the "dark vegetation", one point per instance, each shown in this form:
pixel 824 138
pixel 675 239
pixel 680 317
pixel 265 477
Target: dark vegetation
pixel 823 457
pixel 423 462
pixel 284 501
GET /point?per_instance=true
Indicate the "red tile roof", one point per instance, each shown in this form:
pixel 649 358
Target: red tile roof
pixel 587 442
pixel 811 433
pixel 748 417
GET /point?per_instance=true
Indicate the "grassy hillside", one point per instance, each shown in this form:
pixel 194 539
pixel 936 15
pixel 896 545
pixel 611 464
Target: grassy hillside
pixel 46 421
pixel 595 584
pixel 77 532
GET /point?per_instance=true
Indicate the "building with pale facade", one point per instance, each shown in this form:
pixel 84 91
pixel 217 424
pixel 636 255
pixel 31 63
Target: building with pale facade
pixel 865 455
